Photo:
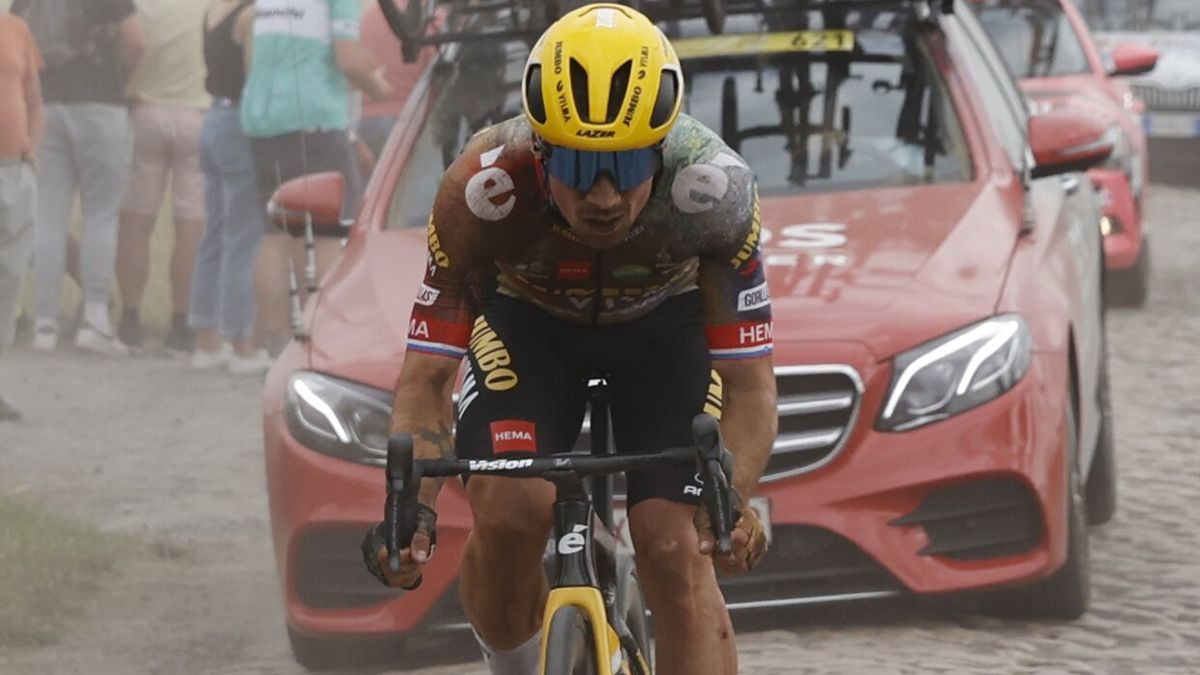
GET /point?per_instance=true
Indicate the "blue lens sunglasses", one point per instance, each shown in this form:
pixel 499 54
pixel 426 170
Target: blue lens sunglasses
pixel 580 169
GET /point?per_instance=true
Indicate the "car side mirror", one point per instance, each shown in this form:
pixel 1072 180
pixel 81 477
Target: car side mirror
pixel 1130 59
pixel 1068 140
pixel 314 199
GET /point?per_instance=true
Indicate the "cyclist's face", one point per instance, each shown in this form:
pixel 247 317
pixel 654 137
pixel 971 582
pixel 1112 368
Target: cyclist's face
pixel 602 216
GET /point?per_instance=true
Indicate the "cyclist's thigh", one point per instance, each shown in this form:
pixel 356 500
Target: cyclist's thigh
pixel 521 396
pixel 655 396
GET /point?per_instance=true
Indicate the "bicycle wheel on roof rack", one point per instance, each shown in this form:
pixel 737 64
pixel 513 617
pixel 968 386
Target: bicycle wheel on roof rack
pixel 714 15
pixel 408 24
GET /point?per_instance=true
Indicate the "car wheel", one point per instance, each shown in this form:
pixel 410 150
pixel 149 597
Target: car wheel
pixel 1101 491
pixel 1066 593
pixel 1129 288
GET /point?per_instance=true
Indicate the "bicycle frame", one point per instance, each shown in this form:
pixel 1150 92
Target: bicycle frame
pixel 578 543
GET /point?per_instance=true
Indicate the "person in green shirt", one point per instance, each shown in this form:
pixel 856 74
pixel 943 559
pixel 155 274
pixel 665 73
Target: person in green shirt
pixel 305 57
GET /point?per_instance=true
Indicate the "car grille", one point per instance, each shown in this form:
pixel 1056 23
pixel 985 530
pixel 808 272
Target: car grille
pixel 1169 99
pixel 817 409
pixel 807 565
pixel 329 572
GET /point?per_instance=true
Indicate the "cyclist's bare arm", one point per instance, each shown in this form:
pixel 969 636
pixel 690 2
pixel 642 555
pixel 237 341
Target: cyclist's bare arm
pixel 423 409
pixel 738 316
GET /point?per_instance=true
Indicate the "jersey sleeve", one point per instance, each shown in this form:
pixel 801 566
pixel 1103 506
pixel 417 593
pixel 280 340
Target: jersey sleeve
pixel 344 18
pixel 733 283
pixel 458 247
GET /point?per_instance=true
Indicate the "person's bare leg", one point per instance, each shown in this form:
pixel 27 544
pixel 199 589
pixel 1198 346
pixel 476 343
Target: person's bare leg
pixel 208 339
pixel 502 584
pixel 272 306
pixel 188 234
pixel 133 257
pixel 693 632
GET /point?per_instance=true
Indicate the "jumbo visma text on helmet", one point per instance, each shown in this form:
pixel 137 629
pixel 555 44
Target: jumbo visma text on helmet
pixel 602 78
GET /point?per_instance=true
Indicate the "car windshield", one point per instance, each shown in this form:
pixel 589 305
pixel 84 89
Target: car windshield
pixel 813 102
pixel 1034 37
pixel 1140 15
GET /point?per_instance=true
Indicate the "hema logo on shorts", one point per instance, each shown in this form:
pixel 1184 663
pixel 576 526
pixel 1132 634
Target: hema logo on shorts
pixel 754 298
pixel 513 436
pixel 498 464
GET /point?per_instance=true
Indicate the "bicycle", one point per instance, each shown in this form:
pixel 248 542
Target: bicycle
pixel 595 621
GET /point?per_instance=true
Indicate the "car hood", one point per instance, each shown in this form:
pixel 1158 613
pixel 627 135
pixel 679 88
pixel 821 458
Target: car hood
pixel 361 320
pixel 889 268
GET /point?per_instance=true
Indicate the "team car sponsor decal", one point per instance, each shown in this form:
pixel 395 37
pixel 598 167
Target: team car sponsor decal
pixel 743 340
pixel 809 235
pixel 513 436
pixel 753 298
pixel 444 338
pixel 498 464
pixel 427 295
pixel 700 187
pixel 492 357
pixel 489 193
pixel 766 43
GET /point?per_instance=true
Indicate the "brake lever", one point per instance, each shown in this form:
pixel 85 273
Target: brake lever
pixel 716 467
pixel 400 507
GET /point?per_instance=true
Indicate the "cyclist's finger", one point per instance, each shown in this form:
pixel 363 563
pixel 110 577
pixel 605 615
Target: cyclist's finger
pixel 405 575
pixel 420 548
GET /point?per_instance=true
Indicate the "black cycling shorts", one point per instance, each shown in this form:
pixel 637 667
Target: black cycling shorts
pixel 526 390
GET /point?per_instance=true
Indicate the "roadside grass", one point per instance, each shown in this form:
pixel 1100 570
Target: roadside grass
pixel 50 567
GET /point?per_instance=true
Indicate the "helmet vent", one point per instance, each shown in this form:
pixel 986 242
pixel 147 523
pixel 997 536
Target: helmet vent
pixel 579 88
pixel 664 104
pixel 616 94
pixel 533 94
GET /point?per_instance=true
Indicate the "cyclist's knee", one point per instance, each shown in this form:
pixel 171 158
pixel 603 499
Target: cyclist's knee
pixel 667 546
pixel 511 513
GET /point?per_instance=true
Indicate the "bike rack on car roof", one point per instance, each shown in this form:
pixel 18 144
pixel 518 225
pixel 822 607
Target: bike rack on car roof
pixel 432 22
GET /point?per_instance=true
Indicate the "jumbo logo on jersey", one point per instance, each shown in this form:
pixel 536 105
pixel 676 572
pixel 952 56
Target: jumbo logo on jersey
pixel 493 357
pixel 492 183
pixel 513 436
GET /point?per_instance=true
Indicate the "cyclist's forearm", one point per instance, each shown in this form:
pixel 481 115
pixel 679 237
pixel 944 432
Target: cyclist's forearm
pixel 423 409
pixel 748 420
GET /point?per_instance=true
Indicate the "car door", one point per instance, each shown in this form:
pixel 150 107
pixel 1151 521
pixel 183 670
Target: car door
pixel 1063 209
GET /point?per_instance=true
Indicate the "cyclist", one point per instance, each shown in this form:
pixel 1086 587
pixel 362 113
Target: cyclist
pixel 601 233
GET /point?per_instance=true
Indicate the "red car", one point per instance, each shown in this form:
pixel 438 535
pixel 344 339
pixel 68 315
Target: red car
pixel 936 273
pixel 1047 45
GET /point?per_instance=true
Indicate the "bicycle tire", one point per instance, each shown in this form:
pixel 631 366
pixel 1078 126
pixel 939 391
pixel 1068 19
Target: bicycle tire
pixel 633 607
pixel 570 647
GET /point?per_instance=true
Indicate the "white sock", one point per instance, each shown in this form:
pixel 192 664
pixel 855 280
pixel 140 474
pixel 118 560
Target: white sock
pixel 96 316
pixel 522 660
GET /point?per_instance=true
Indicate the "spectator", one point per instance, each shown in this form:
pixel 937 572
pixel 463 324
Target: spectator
pixel 20 131
pixel 295 110
pixel 168 103
pixel 88 46
pixel 222 302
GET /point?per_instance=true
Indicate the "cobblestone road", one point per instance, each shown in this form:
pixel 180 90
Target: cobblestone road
pixel 186 475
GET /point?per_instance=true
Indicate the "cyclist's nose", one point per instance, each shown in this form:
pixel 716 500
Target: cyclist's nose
pixel 604 194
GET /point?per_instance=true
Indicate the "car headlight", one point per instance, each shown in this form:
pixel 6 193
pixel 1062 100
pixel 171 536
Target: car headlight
pixel 339 418
pixel 956 372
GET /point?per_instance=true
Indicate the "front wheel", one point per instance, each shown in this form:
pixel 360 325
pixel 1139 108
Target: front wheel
pixel 569 644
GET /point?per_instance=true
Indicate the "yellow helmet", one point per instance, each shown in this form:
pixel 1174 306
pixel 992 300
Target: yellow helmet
pixel 602 78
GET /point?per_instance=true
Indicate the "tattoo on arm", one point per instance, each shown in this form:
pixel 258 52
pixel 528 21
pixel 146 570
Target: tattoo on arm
pixel 442 439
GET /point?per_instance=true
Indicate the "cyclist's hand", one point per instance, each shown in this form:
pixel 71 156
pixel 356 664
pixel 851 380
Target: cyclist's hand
pixel 748 538
pixel 412 559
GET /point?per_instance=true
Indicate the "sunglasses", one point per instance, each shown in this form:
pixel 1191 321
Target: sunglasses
pixel 580 169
